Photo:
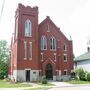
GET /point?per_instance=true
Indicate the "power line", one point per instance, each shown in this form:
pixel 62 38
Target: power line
pixel 2 10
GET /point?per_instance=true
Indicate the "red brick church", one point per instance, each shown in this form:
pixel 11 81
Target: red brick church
pixel 38 49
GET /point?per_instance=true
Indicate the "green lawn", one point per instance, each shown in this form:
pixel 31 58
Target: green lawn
pixel 39 88
pixel 79 82
pixel 48 84
pixel 5 84
pixel 43 86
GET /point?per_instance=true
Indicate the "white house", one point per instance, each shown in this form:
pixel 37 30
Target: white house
pixel 83 61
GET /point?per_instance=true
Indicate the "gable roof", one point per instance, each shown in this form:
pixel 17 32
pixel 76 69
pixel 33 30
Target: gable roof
pixel 46 20
pixel 85 56
pixel 57 28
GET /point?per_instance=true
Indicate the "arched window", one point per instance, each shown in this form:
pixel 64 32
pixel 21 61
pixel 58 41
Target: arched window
pixel 43 43
pixel 52 43
pixel 28 29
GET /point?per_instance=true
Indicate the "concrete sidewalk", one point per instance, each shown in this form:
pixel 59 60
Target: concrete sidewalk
pixel 64 84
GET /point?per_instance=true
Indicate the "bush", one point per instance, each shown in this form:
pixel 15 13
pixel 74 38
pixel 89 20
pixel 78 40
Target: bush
pixel 88 76
pixel 81 74
pixel 44 81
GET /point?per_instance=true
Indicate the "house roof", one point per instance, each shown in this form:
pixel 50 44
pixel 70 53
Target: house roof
pixel 85 56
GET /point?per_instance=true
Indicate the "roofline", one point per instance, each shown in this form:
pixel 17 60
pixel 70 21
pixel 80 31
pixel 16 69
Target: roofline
pixel 48 18
pixel 81 60
pixel 57 28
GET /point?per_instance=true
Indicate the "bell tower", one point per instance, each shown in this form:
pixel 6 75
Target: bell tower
pixel 26 41
pixel 22 14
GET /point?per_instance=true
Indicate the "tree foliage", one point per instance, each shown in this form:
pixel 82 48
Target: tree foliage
pixel 4 57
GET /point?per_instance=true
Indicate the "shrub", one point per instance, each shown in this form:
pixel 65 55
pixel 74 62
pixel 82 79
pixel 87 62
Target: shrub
pixel 81 74
pixel 88 76
pixel 44 81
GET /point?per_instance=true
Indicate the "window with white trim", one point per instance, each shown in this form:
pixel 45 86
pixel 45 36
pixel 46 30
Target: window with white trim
pixel 28 28
pixel 30 50
pixel 25 50
pixel 52 43
pixel 43 43
pixel 65 47
pixel 65 57
pixel 65 72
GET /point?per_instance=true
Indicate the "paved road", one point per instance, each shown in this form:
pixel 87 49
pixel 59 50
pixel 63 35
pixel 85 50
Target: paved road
pixel 83 87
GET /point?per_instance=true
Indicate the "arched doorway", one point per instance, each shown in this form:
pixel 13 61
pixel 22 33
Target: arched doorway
pixel 49 71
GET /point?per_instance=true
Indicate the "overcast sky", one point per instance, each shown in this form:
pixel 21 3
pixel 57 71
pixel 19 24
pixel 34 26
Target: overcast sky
pixel 72 16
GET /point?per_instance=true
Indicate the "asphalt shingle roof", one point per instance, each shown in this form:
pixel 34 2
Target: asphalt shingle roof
pixel 85 56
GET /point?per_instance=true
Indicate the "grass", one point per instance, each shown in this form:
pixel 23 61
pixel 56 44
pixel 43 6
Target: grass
pixel 48 84
pixel 5 84
pixel 79 82
pixel 39 88
pixel 42 86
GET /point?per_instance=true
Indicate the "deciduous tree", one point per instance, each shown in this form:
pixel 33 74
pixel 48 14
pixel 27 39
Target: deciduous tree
pixel 4 57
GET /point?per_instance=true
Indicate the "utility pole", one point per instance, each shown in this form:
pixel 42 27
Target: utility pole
pixel 2 10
